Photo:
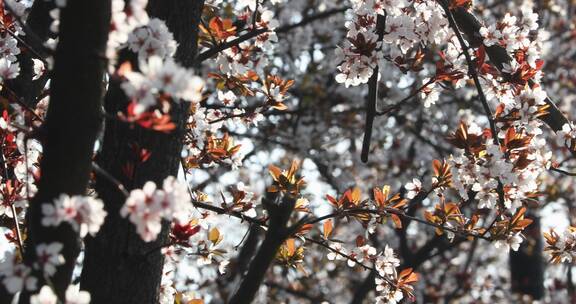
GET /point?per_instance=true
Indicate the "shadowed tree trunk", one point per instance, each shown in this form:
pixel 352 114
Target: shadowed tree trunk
pixel 68 135
pixel 527 264
pixel 119 267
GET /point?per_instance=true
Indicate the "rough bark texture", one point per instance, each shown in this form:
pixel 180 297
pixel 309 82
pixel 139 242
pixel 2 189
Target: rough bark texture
pixel 72 124
pixel 119 267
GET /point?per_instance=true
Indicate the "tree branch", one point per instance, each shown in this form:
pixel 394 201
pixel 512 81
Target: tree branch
pixel 276 234
pixel 372 95
pixel 255 32
pixel 498 55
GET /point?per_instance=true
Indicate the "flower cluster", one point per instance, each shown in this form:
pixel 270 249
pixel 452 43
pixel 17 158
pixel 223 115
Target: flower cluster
pixel 200 238
pixel 152 39
pixel 369 44
pixel 391 286
pixel 359 55
pixel 161 79
pixel 394 287
pixel 567 135
pixel 84 213
pixel 126 16
pixel 509 34
pixel 9 66
pixel 211 150
pixel 147 207
pixel 239 59
pixel 49 257
pixel 16 276
pixel 561 248
pixel 516 163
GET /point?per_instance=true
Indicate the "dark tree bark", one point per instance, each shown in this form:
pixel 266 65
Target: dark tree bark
pixel 527 264
pixel 119 267
pixel 69 135
pixel 279 211
pixel 364 289
pixel 246 253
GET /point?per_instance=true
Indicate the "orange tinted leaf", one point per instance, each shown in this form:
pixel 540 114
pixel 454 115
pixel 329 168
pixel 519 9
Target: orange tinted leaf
pixel 332 200
pixel 280 106
pixel 397 221
pixel 378 196
pixel 214 235
pixel 124 68
pixel 274 171
pixel 354 196
pixel 523 223
pixel 293 168
pixel 436 165
pixel 291 246
pixel 519 214
pixel 408 276
pixel 304 229
pixel 327 228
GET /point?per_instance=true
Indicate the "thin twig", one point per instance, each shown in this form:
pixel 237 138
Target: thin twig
pixel 400 103
pixel 348 257
pixel 24 43
pixel 562 171
pixel 13 209
pixel 28 32
pixel 110 178
pixel 20 102
pixel 255 32
pixel 472 71
pixel 400 213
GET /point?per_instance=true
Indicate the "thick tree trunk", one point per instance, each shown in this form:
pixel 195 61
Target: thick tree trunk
pixel 119 267
pixel 72 125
